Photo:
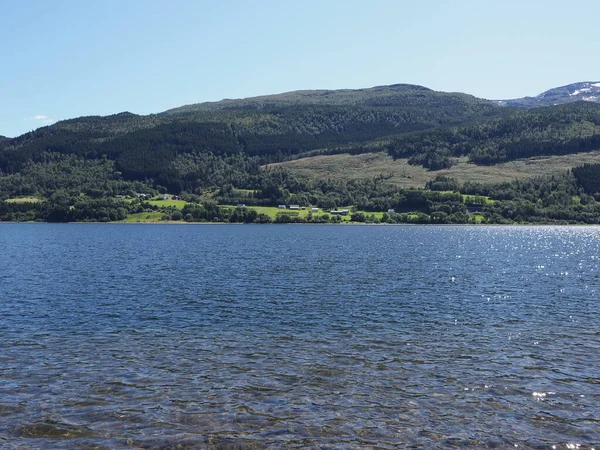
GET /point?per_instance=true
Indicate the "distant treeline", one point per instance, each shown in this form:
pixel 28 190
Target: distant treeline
pixel 568 198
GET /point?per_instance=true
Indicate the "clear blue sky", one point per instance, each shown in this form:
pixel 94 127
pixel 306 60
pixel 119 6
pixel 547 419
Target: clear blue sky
pixel 68 58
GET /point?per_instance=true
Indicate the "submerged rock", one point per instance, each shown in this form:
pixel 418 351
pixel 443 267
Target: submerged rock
pixel 54 429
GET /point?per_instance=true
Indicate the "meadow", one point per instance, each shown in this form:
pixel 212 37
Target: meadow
pixel 399 173
pixel 24 199
pixel 179 204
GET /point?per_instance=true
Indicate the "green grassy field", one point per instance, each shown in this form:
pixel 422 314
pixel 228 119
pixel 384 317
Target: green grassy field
pixel 399 173
pixel 179 204
pixel 478 218
pixel 23 200
pixel 273 211
pixel 143 217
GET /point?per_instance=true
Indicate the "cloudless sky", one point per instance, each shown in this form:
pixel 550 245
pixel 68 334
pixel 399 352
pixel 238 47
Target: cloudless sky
pixel 67 58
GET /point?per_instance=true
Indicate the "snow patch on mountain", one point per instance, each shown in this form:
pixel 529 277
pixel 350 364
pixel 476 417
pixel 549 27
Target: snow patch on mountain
pixel 588 91
pixel 581 91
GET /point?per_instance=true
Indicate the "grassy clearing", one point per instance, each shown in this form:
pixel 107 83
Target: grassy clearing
pixel 478 218
pixel 475 199
pixel 400 173
pixel 24 199
pixel 143 217
pixel 273 212
pixel 179 204
pixel 268 210
pixel 363 166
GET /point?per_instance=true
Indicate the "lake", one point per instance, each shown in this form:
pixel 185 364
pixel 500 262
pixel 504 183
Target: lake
pixel 299 336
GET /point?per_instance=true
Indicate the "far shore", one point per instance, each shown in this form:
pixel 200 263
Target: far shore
pixel 177 222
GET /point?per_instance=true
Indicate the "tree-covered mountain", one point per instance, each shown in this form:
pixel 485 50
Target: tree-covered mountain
pixel 264 129
pixel 218 151
pixel 587 91
pixel 396 96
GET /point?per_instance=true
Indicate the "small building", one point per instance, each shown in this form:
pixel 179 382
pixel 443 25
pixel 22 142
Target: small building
pixel 340 212
pixel 314 210
pixel 281 207
pixel 391 211
pixel 241 206
pixel 164 197
pixel 176 197
pixel 296 207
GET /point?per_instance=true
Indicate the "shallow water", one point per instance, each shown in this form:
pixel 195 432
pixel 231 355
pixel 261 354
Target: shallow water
pixel 212 336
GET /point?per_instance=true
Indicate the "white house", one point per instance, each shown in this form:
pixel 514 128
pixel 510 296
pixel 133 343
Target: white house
pixel 294 206
pixel 391 211
pixel 314 210
pixel 340 212
pixel 281 207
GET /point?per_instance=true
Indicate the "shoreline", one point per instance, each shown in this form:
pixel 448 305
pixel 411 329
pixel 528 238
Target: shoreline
pixel 176 222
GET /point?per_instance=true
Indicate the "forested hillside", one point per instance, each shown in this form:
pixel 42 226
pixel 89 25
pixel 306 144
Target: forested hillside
pixel 215 153
pixel 396 95
pixel 557 130
pixel 188 148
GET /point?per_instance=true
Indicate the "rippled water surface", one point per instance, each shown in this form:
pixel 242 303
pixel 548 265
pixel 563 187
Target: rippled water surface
pixel 212 336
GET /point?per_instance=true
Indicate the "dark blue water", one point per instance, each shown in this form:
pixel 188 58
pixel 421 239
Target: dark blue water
pixel 212 336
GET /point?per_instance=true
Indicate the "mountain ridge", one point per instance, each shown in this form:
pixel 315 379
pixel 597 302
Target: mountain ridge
pixel 588 91
pixel 273 127
pixel 306 96
pixel 379 96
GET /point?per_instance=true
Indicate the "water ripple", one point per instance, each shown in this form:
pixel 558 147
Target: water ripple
pixel 299 337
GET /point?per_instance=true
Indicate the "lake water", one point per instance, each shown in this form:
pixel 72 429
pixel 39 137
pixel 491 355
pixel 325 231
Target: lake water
pixel 274 336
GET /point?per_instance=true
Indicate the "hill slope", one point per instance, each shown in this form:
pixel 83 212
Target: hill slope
pixel 212 153
pixel 588 91
pixel 184 148
pixel 399 172
pixel 271 128
pixel 396 95
pixel 556 130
